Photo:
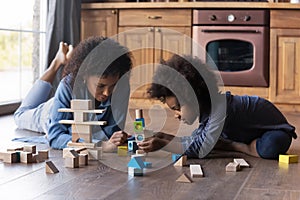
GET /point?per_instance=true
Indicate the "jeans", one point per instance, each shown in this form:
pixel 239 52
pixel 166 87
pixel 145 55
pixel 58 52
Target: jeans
pixel 33 114
pixel 272 143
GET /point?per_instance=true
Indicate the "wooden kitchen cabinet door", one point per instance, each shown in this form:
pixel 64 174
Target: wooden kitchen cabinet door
pixel 285 66
pixel 99 23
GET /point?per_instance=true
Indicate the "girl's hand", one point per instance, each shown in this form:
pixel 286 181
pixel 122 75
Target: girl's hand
pixel 118 138
pixel 152 144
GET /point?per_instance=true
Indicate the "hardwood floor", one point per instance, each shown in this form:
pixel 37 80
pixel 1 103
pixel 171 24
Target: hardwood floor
pixel 265 179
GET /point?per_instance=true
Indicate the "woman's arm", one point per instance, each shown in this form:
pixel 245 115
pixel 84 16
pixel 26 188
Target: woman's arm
pixel 60 134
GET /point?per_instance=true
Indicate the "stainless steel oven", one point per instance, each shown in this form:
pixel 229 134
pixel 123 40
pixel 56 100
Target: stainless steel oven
pixel 237 41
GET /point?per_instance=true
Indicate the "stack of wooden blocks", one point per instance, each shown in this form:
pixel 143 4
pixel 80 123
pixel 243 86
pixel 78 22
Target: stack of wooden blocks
pixel 25 154
pixel 81 129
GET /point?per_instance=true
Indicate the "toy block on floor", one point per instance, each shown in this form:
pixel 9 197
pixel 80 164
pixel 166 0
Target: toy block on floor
pixel 196 171
pixel 135 171
pixel 43 154
pixel 122 150
pixel 51 168
pixel 72 159
pixel 241 161
pixel 136 166
pixel 30 148
pixel 136 162
pixel 288 158
pixel 10 157
pixel 184 179
pixel 83 159
pixel 232 167
pixel 15 149
pixel 26 157
pixel 181 161
pixel 95 153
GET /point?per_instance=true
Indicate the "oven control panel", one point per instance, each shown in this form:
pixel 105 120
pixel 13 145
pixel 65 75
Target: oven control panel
pixel 236 17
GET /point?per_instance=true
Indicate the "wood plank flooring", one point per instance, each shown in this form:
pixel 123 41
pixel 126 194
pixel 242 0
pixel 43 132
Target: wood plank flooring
pixel 265 179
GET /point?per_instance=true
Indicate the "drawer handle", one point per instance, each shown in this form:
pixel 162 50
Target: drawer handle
pixel 154 17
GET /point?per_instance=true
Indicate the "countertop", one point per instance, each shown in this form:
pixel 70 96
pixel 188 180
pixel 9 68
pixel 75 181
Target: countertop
pixel 243 5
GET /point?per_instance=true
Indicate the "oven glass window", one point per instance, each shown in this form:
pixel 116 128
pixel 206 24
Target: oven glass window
pixel 231 55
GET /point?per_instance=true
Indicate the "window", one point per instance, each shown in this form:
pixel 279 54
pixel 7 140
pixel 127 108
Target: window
pixel 22 47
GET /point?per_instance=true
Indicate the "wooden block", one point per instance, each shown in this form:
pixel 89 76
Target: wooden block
pixel 140 152
pixel 51 168
pixel 241 161
pixel 80 149
pixel 122 150
pixel 288 158
pixel 181 161
pixel 81 104
pixel 135 171
pixel 184 179
pixel 83 159
pixel 143 157
pixel 26 157
pixel 79 116
pixel 43 154
pixel 67 151
pixel 132 146
pixel 100 123
pixel 232 167
pixel 148 164
pixel 196 171
pixel 87 138
pixel 15 149
pixel 82 144
pixel 72 159
pixel 11 157
pixel 30 148
pixel 95 154
pixel 78 128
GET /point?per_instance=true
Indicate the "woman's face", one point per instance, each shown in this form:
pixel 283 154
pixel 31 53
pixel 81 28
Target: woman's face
pixel 101 88
pixel 184 113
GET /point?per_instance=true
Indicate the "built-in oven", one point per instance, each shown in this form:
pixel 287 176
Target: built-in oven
pixel 237 41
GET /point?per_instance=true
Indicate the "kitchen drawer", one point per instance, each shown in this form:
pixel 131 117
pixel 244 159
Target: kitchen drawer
pixel 285 19
pixel 155 17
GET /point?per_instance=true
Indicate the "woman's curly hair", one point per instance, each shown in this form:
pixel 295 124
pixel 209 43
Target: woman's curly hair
pixel 100 56
pixel 198 75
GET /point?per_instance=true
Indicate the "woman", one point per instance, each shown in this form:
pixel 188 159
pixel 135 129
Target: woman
pixel 92 71
pixel 247 124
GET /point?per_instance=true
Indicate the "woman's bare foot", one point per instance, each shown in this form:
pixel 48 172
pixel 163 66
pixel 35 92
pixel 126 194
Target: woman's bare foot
pixel 62 56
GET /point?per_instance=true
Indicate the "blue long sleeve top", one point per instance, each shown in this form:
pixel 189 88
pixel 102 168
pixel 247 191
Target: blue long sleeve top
pixel 60 134
pixel 246 119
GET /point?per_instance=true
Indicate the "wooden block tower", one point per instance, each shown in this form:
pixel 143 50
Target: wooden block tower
pixel 81 127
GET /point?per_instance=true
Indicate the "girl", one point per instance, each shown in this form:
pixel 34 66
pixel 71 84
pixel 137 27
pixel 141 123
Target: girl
pixel 247 124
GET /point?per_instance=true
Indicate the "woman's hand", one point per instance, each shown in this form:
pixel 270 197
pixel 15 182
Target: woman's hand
pixel 118 138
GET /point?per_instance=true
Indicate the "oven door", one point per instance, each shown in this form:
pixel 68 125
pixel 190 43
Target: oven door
pixel 241 53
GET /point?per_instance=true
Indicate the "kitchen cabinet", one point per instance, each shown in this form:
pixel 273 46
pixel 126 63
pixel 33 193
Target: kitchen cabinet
pixel 152 35
pixel 285 57
pixel 99 22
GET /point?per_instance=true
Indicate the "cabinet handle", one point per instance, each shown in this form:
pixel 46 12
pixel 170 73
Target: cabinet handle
pixel 114 12
pixel 158 30
pixel 154 17
pixel 150 29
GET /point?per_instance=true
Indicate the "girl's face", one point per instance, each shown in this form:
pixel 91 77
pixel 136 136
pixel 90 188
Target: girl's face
pixel 184 113
pixel 101 88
